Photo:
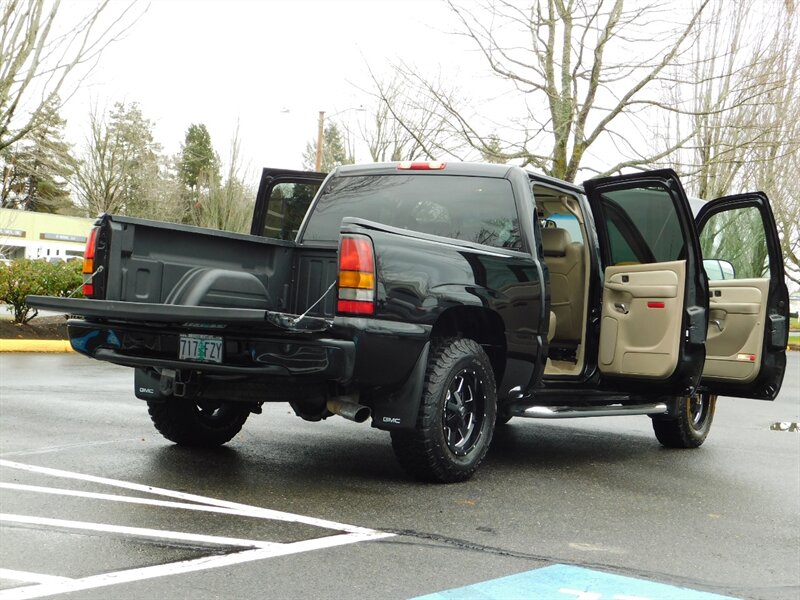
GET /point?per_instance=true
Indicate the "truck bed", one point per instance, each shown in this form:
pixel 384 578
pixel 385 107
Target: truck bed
pixel 157 263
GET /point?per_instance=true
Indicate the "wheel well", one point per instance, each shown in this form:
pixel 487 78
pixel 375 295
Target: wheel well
pixel 483 326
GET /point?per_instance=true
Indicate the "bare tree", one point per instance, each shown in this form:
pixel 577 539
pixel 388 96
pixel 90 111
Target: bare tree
pixel 745 126
pixel 228 205
pixel 39 53
pixel 405 126
pixel 581 74
pixel 122 169
pixel 99 178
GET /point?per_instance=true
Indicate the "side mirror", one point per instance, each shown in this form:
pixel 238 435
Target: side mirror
pixel 718 269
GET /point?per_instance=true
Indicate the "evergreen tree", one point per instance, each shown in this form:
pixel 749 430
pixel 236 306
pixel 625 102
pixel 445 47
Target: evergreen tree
pixel 223 204
pixel 37 169
pixel 198 163
pixel 133 134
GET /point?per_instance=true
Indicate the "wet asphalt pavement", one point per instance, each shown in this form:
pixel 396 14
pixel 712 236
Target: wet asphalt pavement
pixel 79 460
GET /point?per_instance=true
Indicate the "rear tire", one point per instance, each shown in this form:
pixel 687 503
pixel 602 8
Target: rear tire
pixel 691 424
pixel 198 423
pixel 456 416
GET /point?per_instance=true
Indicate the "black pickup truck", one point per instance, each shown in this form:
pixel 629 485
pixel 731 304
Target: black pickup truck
pixel 439 301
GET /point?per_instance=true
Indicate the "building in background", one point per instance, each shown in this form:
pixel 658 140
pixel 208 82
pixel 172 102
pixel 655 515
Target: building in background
pixel 25 234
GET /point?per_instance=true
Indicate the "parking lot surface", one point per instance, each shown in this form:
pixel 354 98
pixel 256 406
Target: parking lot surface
pixel 95 504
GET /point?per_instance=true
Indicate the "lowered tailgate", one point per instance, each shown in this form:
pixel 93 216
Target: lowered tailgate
pixel 236 341
pixel 173 313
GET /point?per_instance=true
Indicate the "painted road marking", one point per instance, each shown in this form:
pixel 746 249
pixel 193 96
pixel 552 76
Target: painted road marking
pixel 570 583
pixel 48 585
pixel 29 577
pixel 51 449
pixel 244 509
pixel 124 499
pixel 136 531
pixel 176 568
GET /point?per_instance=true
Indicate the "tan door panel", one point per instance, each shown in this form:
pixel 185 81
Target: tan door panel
pixel 737 309
pixel 641 319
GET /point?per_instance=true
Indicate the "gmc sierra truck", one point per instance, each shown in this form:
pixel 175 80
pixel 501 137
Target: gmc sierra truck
pixel 438 301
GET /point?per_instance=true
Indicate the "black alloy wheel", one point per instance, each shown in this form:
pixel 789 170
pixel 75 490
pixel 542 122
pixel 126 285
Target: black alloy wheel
pixel 690 425
pixel 464 409
pixel 456 415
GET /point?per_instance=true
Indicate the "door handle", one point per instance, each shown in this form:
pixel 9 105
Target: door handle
pixel 717 323
pixel 621 307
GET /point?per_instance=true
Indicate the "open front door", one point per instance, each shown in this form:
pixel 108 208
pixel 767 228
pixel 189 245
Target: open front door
pixel 749 302
pixel 282 201
pixel 654 298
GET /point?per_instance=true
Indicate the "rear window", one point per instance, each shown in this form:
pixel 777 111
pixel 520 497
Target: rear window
pixel 473 209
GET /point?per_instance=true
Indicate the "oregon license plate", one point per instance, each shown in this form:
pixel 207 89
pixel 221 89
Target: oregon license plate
pixel 200 348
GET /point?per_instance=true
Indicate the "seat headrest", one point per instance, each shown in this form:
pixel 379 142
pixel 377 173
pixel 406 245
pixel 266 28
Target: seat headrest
pixel 555 241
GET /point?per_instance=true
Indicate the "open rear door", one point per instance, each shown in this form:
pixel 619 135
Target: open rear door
pixel 749 301
pixel 282 201
pixel 653 316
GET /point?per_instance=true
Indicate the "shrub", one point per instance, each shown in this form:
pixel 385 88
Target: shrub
pixel 26 277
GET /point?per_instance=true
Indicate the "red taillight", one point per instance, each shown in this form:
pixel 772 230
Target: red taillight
pixel 355 254
pixel 356 276
pixel 88 262
pixel 420 166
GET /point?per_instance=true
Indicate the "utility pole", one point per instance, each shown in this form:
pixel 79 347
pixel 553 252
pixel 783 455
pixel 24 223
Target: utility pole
pixel 319 140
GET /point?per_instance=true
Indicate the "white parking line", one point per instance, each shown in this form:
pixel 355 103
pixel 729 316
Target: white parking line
pixel 29 577
pixel 51 449
pixel 187 566
pixel 48 585
pixel 136 531
pixel 126 499
pixel 252 511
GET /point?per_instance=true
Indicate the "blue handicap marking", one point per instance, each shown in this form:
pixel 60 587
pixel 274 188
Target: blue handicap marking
pixel 564 582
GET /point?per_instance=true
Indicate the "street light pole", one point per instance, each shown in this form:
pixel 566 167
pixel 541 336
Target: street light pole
pixel 319 140
pixel 321 132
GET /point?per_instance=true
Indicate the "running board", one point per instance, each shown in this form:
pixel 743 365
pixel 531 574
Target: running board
pixel 574 412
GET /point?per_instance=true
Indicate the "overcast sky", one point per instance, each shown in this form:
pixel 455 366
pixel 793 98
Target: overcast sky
pixel 271 65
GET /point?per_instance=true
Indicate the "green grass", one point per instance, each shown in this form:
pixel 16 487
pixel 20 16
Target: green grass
pixel 794 324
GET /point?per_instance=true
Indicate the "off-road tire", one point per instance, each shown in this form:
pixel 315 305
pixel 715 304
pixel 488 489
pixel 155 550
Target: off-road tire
pixel 451 438
pixel 198 423
pixel 690 425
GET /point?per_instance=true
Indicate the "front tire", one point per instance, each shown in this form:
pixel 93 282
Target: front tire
pixel 198 423
pixel 691 424
pixel 456 416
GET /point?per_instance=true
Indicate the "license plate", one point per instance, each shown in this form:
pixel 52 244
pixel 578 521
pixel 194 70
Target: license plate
pixel 200 348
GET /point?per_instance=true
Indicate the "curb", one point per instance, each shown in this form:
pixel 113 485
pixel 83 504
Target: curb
pixel 35 346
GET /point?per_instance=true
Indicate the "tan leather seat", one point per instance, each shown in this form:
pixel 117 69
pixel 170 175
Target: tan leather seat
pixel 564 259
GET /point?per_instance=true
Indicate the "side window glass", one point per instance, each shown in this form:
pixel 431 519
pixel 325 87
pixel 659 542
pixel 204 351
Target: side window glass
pixel 621 251
pixel 566 221
pixel 734 245
pixel 642 226
pixel 287 206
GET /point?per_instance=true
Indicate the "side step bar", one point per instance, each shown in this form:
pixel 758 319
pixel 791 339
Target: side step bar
pixel 574 412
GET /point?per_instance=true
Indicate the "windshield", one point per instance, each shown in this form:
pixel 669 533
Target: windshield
pixel 474 209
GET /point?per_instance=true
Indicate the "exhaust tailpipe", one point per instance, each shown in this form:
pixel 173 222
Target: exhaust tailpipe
pixel 349 410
